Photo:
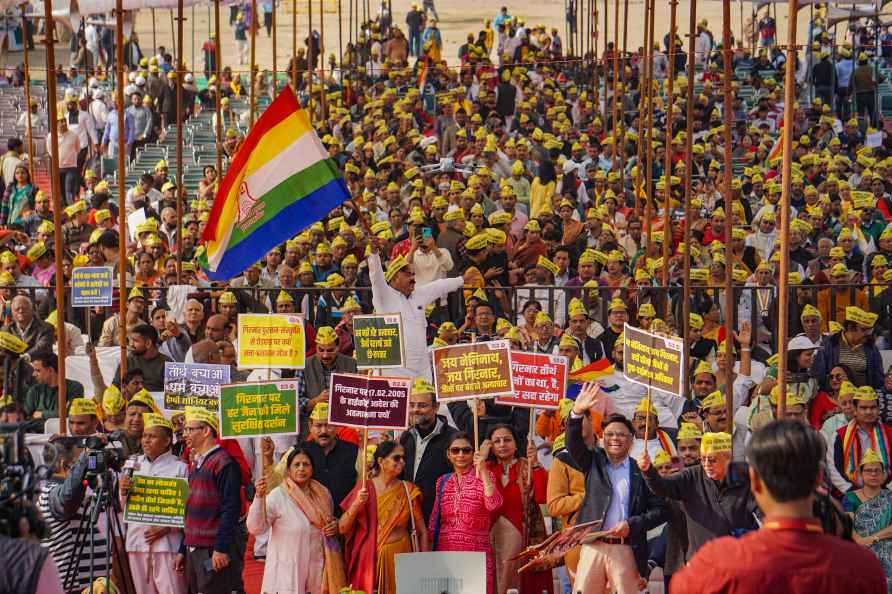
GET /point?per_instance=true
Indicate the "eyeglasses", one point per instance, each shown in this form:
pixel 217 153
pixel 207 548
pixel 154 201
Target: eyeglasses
pixel 615 435
pixel 841 376
pixel 465 450
pixel 398 458
pixel 188 429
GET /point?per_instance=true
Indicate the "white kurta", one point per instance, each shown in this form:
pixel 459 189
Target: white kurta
pixel 152 565
pixel 294 555
pixel 386 299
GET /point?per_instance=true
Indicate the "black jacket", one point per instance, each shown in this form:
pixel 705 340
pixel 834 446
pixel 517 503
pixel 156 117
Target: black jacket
pixel 646 510
pixel 496 414
pixel 433 463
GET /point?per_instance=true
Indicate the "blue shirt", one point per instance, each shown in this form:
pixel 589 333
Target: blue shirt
pixel 620 477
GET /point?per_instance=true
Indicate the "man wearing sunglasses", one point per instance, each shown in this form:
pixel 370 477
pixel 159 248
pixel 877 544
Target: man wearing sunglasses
pixel 616 495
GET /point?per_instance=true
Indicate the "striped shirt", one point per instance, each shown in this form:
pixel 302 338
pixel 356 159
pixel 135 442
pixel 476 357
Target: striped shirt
pixel 855 359
pixel 61 541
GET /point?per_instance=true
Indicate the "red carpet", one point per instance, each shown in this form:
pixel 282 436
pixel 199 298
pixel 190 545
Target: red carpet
pixel 253 574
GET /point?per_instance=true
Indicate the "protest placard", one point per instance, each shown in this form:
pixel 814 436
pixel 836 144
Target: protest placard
pixel 378 341
pixel 478 370
pixel 657 362
pixel 261 408
pixel 372 402
pixel 193 384
pixel 157 501
pixel 271 341
pixel 91 286
pixel 540 380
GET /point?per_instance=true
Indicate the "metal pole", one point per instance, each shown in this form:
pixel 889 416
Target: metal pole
pixel 275 53
pixel 667 163
pixel 253 75
pixel 310 65
pixel 689 133
pixel 28 95
pixel 649 154
pixel 615 81
pixel 179 191
pixel 294 47
pixel 729 211
pixel 323 100
pixel 606 66
pixel 784 235
pixel 593 34
pixel 122 190
pixel 154 34
pixel 643 131
pixel 218 56
pixel 52 104
pixel 341 41
pixel 193 38
pixel 622 110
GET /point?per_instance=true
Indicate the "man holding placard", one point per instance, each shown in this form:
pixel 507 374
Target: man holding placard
pixel 152 549
pixel 317 374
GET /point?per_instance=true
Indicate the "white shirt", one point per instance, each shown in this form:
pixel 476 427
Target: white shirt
pixel 166 465
pixel 69 147
pixel 620 479
pixel 386 299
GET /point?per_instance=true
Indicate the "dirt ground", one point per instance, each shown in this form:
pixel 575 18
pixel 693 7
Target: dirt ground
pixel 457 19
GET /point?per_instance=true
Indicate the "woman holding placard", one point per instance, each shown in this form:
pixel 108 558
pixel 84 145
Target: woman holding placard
pixel 460 520
pixel 382 519
pixel 303 554
pixel 518 523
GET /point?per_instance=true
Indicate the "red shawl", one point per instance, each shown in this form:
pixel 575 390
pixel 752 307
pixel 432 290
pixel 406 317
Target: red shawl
pixel 359 549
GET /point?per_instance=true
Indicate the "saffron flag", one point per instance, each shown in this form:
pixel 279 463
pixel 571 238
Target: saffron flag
pixel 777 150
pixel 280 182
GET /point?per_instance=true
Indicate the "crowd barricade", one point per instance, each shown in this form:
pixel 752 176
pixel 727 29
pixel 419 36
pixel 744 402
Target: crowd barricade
pixel 756 305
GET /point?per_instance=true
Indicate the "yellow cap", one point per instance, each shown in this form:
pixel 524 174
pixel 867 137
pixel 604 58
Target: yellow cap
pixel 284 297
pixel 156 420
pixel 12 343
pixel 568 341
pixel 860 317
pixel 548 265
pixel 810 310
pixel 576 308
pixel 82 406
pixel 542 318
pixel 696 321
pixel 713 443
pixel 865 393
pixel 320 412
pixel 112 401
pixel 647 311
pixel 395 266
pixel 202 415
pixel 689 431
pixel 227 298
pixel 326 336
pixel 713 400
pixel 422 386
pixel 643 407
pixel 703 367
pixel 870 457
pixel 145 399
pixel 616 304
pixel 662 459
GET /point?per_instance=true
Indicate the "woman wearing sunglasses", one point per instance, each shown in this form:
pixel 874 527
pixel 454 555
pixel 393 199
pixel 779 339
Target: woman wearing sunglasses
pixel 382 519
pixel 460 520
pixel 522 483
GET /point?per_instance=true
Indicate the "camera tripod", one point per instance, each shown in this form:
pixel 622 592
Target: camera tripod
pixel 104 498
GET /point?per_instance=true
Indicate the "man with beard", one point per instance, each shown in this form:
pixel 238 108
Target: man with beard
pixel 334 460
pixel 425 443
pixel 144 355
pixel 317 373
pixel 715 495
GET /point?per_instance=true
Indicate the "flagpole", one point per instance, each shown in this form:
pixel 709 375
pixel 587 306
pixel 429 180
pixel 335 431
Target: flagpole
pixel 28 95
pixel 667 161
pixel 294 48
pixel 689 133
pixel 322 98
pixel 649 154
pixel 637 184
pixel 275 53
pixel 620 104
pixel 122 190
pixel 729 210
pixel 310 65
pixel 615 158
pixel 52 105
pixel 218 56
pixel 252 77
pixel 784 238
pixel 179 190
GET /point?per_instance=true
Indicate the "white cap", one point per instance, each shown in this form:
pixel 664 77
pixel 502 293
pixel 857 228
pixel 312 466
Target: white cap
pixel 801 342
pixel 140 81
pixel 188 78
pixel 131 77
pixel 98 94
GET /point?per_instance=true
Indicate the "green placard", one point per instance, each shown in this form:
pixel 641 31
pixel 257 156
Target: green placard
pixel 262 408
pixel 378 341
pixel 157 501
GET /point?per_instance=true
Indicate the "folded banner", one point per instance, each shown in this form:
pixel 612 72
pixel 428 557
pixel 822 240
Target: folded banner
pixel 280 182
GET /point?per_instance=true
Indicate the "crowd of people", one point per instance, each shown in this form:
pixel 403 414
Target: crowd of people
pixel 495 199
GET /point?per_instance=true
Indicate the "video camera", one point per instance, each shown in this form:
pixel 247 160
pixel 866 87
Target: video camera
pixel 100 456
pixel 18 475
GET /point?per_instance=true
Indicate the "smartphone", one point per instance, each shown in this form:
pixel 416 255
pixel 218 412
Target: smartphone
pixel 426 233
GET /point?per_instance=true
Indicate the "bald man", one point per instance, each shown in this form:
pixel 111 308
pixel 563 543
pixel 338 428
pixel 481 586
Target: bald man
pixel 37 334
